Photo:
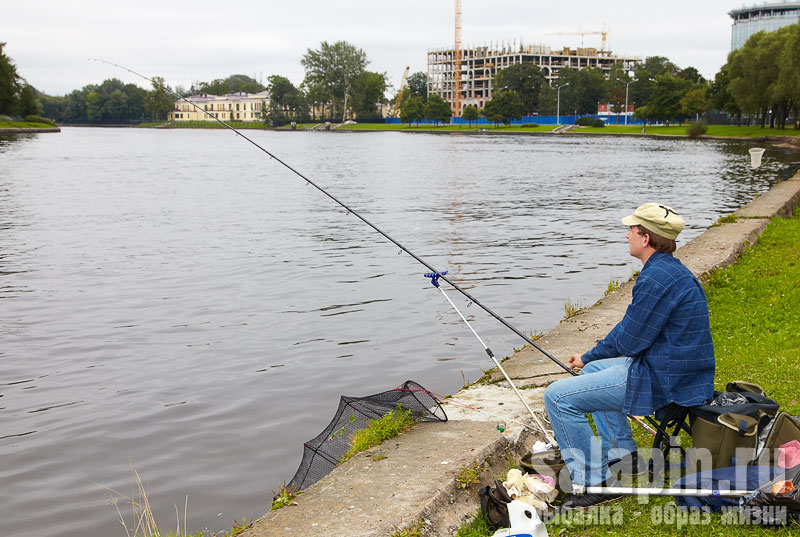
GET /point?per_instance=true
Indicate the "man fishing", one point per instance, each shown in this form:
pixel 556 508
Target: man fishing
pixel 661 352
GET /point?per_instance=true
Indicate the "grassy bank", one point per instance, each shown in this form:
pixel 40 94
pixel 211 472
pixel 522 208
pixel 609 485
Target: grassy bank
pixel 680 130
pixel 673 130
pixel 755 322
pixel 24 125
pixel 448 128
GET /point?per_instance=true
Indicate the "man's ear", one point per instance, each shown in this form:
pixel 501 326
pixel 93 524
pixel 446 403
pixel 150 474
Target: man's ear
pixel 646 238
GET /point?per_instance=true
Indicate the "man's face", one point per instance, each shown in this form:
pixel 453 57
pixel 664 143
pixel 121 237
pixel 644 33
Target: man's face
pixel 636 242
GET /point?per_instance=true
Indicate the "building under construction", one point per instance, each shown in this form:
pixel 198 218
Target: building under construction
pixel 478 65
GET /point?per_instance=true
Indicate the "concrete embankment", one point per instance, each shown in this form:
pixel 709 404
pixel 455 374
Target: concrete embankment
pixel 26 131
pixel 412 481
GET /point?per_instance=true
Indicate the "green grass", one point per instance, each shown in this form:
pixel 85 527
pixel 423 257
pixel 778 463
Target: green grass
pixel 571 309
pixel 476 527
pixel 611 287
pixel 755 323
pixel 211 124
pixel 284 497
pixel 395 422
pixel 680 130
pixel 446 128
pixel 24 125
pixel 755 315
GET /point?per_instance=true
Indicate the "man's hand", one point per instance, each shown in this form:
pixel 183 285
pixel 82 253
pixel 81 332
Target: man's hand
pixel 575 361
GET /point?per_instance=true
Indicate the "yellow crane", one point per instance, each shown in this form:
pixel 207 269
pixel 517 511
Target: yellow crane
pixel 580 32
pixel 403 82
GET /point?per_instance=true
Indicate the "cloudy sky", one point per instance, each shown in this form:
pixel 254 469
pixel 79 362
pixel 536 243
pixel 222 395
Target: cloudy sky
pixel 51 41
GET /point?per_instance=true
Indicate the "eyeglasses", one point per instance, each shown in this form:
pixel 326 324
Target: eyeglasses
pixel 667 210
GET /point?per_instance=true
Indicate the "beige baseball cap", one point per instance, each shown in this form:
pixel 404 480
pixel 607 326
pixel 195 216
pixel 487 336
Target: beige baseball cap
pixel 660 219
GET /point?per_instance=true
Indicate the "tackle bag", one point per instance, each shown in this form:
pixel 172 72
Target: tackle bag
pixel 781 430
pixel 494 505
pixel 731 421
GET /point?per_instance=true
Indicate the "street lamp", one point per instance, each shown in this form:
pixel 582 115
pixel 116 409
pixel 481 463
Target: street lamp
pixel 626 99
pixel 558 103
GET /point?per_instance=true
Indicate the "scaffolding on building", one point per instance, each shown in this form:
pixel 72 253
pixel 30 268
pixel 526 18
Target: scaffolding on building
pixel 476 67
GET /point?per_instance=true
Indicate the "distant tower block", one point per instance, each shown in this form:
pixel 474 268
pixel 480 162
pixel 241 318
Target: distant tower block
pixel 768 16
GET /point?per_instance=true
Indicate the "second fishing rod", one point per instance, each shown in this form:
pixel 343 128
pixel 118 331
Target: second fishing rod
pixel 350 210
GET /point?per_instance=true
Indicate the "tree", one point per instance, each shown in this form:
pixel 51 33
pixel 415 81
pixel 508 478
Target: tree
pixel 754 71
pixel 696 101
pixel 504 107
pixel 232 84
pixel 367 92
pixel 159 102
pixel 418 85
pixel 116 107
pixel 332 68
pixel 412 110
pixel 587 87
pixel 29 104
pixel 437 109
pixel 9 83
pixel 789 77
pixel 470 113
pixel 526 79
pixel 721 98
pixel 94 107
pixel 692 75
pixel 287 103
pixel 665 103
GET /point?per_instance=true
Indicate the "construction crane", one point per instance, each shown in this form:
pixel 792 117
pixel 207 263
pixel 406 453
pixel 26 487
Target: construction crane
pixel 457 63
pixel 603 32
pixel 399 100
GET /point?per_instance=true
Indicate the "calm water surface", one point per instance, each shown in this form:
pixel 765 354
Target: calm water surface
pixel 175 301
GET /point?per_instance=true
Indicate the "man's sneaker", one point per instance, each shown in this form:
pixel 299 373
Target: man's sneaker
pixel 582 501
pixel 630 464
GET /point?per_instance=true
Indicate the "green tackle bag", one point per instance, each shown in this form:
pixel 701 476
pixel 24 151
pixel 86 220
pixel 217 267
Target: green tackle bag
pixel 731 421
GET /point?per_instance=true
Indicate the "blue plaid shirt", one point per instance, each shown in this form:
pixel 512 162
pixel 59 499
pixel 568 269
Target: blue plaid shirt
pixel 666 332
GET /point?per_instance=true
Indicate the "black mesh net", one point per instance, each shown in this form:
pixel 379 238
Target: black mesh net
pixel 323 453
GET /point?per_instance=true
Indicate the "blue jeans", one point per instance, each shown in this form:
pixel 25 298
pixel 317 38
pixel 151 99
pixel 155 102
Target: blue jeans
pixel 600 391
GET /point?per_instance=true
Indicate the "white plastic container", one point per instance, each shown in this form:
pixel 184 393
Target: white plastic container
pixel 755 156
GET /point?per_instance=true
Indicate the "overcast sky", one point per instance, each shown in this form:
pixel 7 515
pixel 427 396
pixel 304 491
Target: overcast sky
pixel 50 41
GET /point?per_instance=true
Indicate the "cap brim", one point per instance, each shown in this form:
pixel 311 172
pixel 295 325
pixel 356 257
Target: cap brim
pixel 631 220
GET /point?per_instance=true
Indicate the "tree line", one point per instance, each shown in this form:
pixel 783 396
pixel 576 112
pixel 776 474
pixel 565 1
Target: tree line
pixel 759 82
pixel 336 86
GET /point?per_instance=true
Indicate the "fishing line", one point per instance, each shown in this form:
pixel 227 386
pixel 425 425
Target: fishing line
pixel 435 281
pixel 349 210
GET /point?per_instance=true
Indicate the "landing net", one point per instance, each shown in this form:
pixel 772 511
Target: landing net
pixel 323 453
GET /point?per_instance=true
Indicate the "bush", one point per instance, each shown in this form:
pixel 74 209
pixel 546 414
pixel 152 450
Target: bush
pixel 40 119
pixel 590 122
pixel 529 125
pixel 4 118
pixel 696 128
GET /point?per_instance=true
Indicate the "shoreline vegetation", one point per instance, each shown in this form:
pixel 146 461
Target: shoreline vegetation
pixel 30 125
pixel 713 131
pixel 726 131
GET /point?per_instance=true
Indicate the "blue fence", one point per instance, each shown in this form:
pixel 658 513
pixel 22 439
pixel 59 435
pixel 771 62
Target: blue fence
pixel 610 119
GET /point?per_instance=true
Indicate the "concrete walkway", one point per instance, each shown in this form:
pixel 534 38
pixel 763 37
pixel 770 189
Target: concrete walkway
pixel 416 486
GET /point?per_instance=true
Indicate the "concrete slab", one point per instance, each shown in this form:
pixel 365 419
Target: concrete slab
pixel 415 484
pixel 780 200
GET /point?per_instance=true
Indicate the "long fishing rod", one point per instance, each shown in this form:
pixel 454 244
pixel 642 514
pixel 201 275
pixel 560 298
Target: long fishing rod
pixel 350 211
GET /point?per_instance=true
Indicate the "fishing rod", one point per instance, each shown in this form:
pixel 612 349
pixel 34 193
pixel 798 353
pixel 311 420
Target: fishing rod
pixel 349 211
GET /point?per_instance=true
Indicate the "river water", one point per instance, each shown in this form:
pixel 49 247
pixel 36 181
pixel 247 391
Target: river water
pixel 177 302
